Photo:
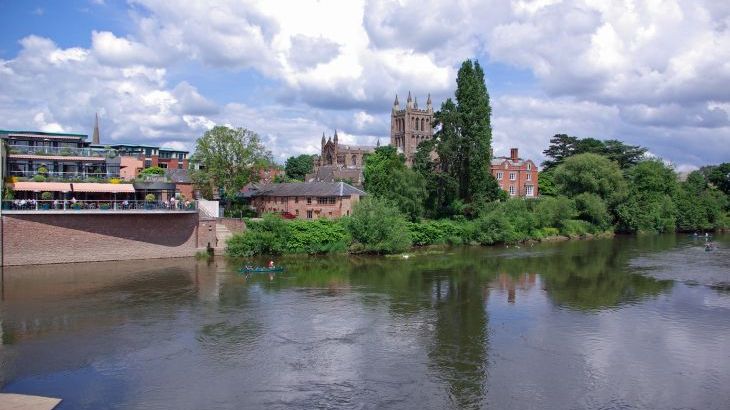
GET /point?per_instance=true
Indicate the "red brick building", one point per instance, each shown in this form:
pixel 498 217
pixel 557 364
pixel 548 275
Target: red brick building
pixel 516 176
pixel 311 200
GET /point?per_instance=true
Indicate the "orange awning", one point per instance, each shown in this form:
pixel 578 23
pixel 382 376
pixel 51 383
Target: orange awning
pixel 98 187
pixel 42 186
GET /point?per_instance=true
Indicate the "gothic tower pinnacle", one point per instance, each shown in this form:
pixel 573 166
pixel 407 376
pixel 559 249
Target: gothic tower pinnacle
pixel 95 137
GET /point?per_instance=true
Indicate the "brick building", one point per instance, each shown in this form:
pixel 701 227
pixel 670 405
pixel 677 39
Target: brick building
pixel 305 200
pixel 516 176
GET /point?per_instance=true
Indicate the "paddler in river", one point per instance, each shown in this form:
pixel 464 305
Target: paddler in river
pixel 271 264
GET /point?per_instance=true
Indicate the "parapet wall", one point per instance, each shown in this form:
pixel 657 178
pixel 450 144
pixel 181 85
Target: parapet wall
pixel 69 237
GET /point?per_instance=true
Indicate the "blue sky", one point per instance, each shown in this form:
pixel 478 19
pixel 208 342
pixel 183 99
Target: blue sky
pixel 163 74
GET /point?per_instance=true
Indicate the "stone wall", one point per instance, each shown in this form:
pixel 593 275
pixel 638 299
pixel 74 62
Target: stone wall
pixel 59 238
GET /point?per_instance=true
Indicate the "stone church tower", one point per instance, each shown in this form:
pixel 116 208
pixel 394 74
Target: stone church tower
pixel 410 126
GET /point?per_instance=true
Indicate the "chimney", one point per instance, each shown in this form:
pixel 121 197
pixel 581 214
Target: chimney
pixel 513 154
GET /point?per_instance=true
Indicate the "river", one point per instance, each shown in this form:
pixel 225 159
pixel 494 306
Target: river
pixel 629 323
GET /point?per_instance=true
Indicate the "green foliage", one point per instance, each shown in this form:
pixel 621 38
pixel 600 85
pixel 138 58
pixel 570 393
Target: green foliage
pixel 700 206
pixel 376 226
pixel 316 237
pixel 387 177
pixel 299 166
pixel 42 170
pixel 553 212
pixel 46 196
pixel 39 178
pixel 230 159
pixel 720 177
pixel 269 236
pixel 150 197
pixel 591 208
pixel 649 206
pixel 152 171
pixel 8 194
pixel 546 183
pixel 563 146
pixel 590 173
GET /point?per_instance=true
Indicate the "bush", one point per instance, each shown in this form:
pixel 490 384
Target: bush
pixel 46 196
pixel 39 178
pixel 42 170
pixel 377 227
pixel 552 212
pixel 318 236
pixel 591 208
pixel 152 171
pixel 150 197
pixel 576 227
pixel 266 237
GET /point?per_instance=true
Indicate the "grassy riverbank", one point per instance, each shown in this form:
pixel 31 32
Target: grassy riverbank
pixel 376 227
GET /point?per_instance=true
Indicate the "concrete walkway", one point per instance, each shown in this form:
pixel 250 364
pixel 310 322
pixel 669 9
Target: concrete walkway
pixel 9 401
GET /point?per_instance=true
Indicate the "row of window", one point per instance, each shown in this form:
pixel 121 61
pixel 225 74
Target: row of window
pixel 529 190
pixel 310 213
pixel 512 176
pixel 416 124
pixel 321 200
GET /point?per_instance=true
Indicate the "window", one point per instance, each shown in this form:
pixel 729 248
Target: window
pixel 354 160
pixel 512 190
pixel 296 201
pixel 309 201
pixel 506 166
pixel 423 124
pixel 529 166
pixel 529 190
pixel 529 176
pixel 147 163
pixel 165 154
pixel 512 176
pixel 500 174
pixel 162 165
pixel 179 165
pixel 309 214
pixel 297 212
pixel 326 200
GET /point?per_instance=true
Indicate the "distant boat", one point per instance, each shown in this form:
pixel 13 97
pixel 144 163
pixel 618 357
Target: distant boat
pixel 261 269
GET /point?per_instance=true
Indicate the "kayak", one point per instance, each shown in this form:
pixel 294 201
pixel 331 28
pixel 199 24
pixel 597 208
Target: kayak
pixel 261 269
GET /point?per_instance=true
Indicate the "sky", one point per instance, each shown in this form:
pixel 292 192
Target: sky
pixel 654 73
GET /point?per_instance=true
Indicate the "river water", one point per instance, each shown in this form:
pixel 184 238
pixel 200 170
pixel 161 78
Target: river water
pixel 629 323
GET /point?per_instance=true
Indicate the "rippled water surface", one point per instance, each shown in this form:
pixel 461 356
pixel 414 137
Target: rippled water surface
pixel 626 323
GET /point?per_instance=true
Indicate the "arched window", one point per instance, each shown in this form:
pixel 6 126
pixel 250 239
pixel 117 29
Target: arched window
pixel 354 159
pixel 423 124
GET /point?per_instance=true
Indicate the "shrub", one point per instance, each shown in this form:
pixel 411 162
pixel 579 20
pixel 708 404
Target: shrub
pixel 8 194
pixel 575 227
pixel 266 237
pixel 39 178
pixel 377 227
pixel 318 236
pixel 42 170
pixel 591 208
pixel 150 197
pixel 552 212
pixel 46 196
pixel 151 171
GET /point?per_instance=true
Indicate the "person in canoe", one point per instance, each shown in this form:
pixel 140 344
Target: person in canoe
pixel 271 264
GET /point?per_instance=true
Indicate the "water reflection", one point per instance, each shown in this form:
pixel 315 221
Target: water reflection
pixel 445 328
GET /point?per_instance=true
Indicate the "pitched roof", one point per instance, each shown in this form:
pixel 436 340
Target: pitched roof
pixel 305 189
pixel 500 161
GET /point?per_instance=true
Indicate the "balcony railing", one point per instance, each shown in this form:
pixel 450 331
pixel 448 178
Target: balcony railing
pixel 98 205
pixel 62 151
pixel 50 175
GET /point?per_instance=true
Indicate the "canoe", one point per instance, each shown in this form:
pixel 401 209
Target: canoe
pixel 260 269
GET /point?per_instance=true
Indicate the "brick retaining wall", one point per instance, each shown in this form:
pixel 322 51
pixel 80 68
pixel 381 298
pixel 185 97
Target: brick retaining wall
pixel 61 238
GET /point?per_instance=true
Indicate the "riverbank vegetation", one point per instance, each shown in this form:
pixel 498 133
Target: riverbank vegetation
pixel 448 196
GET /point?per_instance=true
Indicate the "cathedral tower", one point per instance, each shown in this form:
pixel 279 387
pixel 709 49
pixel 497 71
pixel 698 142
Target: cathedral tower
pixel 410 126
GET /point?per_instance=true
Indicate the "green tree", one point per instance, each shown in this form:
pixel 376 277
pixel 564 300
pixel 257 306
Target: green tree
pixel 298 167
pixel 590 173
pixel 465 136
pixel 561 147
pixel 720 177
pixel 230 159
pixel 387 177
pixel 377 227
pixel 441 187
pixel 546 183
pixel 699 206
pixel 649 205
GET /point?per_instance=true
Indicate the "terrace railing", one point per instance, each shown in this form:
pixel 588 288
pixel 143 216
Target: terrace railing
pixel 95 205
pixel 62 151
pixel 66 175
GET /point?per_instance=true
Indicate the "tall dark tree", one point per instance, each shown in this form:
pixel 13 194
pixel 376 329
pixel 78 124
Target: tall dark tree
pixel 465 136
pixel 299 166
pixel 561 147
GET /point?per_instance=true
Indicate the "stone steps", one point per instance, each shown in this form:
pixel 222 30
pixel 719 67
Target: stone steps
pixel 221 235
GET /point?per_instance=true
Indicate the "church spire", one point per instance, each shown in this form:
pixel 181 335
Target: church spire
pixel 415 103
pixel 335 137
pixel 409 102
pixel 396 103
pixel 323 140
pixel 95 137
pixel 428 103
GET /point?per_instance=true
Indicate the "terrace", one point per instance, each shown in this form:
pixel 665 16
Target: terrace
pixel 23 206
pixel 62 151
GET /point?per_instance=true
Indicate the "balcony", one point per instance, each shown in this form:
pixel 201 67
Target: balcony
pixel 62 151
pixel 19 206
pixel 58 176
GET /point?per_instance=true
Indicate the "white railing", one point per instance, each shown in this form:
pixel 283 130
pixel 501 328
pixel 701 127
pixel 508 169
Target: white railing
pixel 62 151
pixel 65 175
pixel 97 205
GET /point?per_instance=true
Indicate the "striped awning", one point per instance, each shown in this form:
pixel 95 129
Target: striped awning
pixel 41 186
pixel 105 188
